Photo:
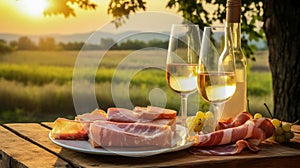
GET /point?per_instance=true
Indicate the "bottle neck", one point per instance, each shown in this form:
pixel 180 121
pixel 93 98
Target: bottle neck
pixel 228 41
pixel 236 34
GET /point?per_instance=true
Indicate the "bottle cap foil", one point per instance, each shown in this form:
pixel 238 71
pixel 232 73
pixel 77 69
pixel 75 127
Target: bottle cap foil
pixel 233 11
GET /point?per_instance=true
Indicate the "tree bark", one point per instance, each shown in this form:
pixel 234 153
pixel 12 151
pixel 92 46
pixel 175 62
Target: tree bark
pixel 282 29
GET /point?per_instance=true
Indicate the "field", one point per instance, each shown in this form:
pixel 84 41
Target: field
pixel 37 85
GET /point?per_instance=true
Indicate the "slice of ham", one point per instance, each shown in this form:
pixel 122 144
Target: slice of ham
pixel 253 131
pixel 156 112
pixel 229 149
pixel 259 129
pixel 69 129
pixel 170 122
pixel 97 114
pixel 124 115
pixel 150 114
pixel 139 114
pixel 114 134
pixel 239 120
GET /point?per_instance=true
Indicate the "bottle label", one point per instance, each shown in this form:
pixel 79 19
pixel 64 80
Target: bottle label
pixel 240 75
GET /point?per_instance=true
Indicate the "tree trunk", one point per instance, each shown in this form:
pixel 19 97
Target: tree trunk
pixel 282 28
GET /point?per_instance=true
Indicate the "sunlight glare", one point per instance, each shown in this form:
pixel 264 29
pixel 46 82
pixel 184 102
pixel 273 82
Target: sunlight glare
pixel 34 7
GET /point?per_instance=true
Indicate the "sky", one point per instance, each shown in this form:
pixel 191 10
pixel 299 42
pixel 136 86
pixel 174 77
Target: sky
pixel 19 17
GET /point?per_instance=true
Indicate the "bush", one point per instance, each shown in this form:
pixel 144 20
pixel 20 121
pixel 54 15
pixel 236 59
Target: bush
pixel 4 48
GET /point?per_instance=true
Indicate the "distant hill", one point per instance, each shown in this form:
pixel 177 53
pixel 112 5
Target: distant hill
pixel 91 37
pixel 94 37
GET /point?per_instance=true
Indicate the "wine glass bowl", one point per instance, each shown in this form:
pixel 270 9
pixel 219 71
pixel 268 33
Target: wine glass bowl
pixel 182 78
pixel 216 79
pixel 182 62
pixel 216 87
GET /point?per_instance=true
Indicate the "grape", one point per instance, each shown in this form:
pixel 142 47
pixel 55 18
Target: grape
pixel 286 127
pixel 280 138
pixel 272 137
pixel 195 123
pixel 198 128
pixel 283 133
pixel 199 114
pixel 276 122
pixel 199 121
pixel 279 131
pixel 207 129
pixel 289 135
pixel 257 116
pixel 209 114
pixel 189 122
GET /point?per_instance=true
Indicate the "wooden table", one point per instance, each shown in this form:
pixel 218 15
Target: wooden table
pixel 28 145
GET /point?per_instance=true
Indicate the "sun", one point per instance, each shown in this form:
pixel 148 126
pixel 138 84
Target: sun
pixel 33 7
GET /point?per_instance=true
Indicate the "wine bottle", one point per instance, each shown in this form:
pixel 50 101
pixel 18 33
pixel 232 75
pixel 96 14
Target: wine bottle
pixel 238 102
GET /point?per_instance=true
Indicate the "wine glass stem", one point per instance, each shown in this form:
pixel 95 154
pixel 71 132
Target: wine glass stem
pixel 218 111
pixel 183 108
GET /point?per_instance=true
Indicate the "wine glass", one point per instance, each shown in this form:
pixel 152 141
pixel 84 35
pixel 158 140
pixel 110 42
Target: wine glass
pixel 216 79
pixel 182 62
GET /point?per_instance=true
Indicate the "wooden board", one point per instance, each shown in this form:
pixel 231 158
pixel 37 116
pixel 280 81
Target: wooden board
pixel 270 154
pixel 18 152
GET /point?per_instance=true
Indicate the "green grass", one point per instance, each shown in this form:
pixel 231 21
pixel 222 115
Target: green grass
pixel 259 83
pixel 259 88
pixel 36 74
pixel 37 86
pixel 49 58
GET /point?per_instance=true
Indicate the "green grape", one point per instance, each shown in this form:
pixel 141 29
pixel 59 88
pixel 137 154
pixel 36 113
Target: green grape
pixel 280 138
pixel 209 121
pixel 257 116
pixel 198 128
pixel 190 122
pixel 209 114
pixel 276 122
pixel 200 114
pixel 289 135
pixel 279 131
pixel 286 127
pixel 207 128
pixel 272 137
pixel 195 123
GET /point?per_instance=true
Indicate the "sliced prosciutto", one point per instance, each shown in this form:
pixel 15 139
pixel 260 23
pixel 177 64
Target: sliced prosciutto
pixel 170 122
pixel 156 112
pixel 253 132
pixel 150 114
pixel 258 129
pixel 124 115
pixel 139 115
pixel 239 120
pixel 115 134
pixel 97 114
pixel 229 149
pixel 69 129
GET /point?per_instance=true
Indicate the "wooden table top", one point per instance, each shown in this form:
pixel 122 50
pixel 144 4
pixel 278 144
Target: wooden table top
pixel 28 145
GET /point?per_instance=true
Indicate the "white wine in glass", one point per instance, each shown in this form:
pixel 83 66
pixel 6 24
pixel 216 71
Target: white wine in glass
pixel 182 62
pixel 213 83
pixel 182 77
pixel 217 78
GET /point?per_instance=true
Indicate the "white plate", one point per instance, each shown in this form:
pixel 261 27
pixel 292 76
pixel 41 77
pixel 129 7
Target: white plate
pixel 178 143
